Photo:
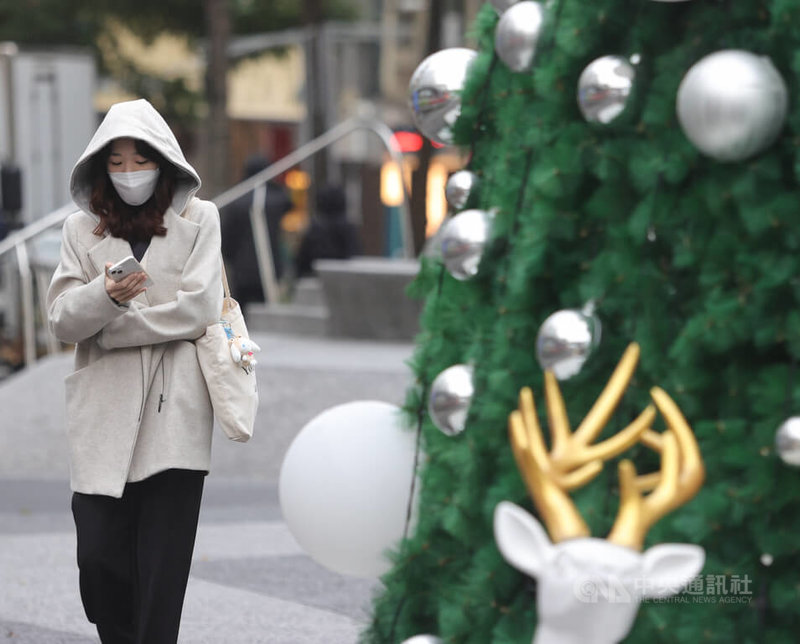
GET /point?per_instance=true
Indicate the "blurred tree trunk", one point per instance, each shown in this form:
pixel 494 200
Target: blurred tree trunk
pixel 312 18
pixel 218 28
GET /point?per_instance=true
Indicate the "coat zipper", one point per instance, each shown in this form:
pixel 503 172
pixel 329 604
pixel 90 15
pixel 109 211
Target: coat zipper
pixel 161 398
pixel 144 390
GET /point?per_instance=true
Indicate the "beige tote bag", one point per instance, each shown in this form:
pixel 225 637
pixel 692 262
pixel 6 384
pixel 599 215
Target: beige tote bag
pixel 231 386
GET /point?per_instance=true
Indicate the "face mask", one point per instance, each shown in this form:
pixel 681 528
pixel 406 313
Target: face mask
pixel 134 188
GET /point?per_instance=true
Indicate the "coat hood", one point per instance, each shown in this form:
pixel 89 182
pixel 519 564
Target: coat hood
pixel 139 120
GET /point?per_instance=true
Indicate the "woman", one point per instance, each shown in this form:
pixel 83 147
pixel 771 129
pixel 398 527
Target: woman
pixel 138 413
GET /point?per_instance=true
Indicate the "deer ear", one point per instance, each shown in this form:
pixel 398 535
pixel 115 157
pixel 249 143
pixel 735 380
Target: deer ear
pixel 668 567
pixel 520 538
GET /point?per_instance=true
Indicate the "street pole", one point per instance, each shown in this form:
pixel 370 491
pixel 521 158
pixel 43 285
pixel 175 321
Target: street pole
pixel 419 179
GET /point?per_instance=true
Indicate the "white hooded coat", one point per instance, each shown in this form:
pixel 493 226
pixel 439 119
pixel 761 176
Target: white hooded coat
pixel 137 403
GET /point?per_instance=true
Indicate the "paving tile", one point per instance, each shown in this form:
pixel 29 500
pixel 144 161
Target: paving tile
pixel 251 583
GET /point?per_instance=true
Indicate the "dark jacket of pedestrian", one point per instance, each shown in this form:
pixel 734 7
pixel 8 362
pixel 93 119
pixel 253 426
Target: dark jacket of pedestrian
pixel 330 235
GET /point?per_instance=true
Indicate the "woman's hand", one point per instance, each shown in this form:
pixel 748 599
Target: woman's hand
pixel 127 288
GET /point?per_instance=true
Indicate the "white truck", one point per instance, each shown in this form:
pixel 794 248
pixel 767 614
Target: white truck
pixel 46 120
pixel 47 117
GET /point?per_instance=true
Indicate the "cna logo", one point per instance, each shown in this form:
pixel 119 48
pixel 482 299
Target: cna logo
pixel 702 589
pixel 607 588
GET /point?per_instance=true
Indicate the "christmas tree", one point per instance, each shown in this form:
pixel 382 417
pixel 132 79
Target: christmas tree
pixel 684 236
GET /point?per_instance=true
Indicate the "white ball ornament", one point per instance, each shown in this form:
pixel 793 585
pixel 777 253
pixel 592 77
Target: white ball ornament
pixel 435 92
pixel 460 187
pixel 450 399
pixel 345 483
pixel 787 441
pixel 517 35
pixel 423 639
pixel 732 104
pixel 463 239
pixel 604 87
pixel 566 339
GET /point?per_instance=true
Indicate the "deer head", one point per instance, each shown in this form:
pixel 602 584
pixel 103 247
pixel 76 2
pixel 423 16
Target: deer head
pixel 589 589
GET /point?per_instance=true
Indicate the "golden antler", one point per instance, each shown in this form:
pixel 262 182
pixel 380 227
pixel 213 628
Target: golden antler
pixel 573 461
pixel 682 474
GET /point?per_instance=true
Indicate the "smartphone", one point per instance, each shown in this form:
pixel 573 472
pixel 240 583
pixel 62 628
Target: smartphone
pixel 125 267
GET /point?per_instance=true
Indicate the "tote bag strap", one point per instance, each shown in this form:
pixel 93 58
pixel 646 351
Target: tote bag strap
pixel 228 303
pixel 225 286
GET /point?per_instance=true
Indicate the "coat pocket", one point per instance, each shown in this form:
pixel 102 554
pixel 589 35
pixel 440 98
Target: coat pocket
pixel 102 403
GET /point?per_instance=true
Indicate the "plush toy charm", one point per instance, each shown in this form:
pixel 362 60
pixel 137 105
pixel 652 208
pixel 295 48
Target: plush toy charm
pixel 243 351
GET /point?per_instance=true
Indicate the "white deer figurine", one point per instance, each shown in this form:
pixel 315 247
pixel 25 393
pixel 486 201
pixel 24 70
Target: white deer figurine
pixel 589 589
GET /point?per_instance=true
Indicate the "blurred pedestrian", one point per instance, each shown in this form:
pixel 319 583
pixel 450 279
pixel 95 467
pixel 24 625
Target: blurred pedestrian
pixel 330 235
pixel 138 413
pixel 238 247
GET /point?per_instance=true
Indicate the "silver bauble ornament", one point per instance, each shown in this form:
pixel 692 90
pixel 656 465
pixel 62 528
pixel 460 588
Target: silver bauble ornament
pixel 435 92
pixel 463 240
pixel 517 34
pixel 787 441
pixel 423 639
pixel 459 187
pixel 501 6
pixel 450 398
pixel 732 104
pixel 604 87
pixel 566 340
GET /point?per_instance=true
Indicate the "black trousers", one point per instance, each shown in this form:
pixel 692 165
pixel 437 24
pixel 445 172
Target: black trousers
pixel 134 555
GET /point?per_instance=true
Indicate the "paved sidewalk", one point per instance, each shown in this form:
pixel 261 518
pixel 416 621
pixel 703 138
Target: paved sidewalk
pixel 250 582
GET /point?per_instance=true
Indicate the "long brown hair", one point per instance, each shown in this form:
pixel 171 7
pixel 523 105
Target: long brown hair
pixel 132 223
